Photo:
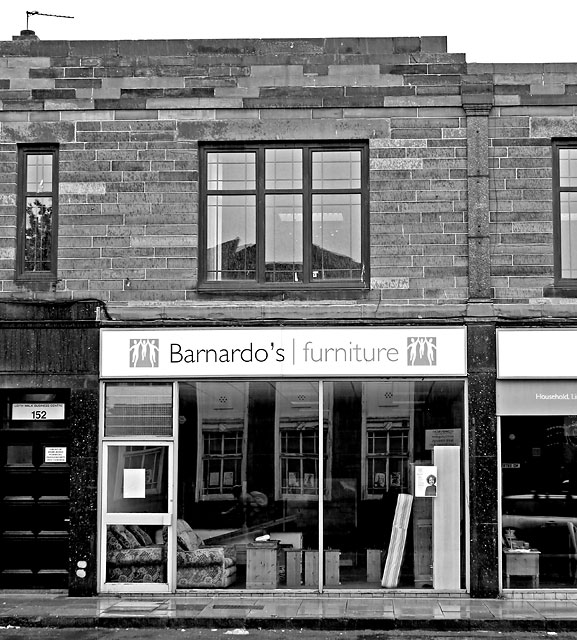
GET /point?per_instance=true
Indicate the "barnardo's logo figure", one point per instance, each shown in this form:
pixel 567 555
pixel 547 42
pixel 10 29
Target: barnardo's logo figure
pixel 421 352
pixel 143 353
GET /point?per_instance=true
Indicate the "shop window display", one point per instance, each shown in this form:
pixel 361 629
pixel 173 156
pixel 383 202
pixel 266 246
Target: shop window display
pixel 374 433
pixel 276 481
pixel 539 501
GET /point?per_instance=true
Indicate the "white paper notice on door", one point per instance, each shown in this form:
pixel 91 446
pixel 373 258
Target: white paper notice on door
pixel 134 483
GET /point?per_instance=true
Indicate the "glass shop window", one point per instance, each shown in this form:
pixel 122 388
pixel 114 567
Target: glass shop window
pixel 249 465
pixel 539 501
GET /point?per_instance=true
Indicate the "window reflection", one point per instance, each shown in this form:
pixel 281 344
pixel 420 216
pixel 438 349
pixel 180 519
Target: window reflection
pixel 137 479
pixel 277 214
pixel 38 173
pixel 568 167
pixel 336 170
pixel 539 504
pixel 337 236
pixel 230 171
pixel 568 212
pixel 231 237
pixel 284 169
pixel 284 238
pixel 374 432
pixel 38 234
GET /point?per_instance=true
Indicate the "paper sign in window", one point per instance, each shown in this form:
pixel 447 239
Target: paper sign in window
pixel 426 482
pixel 54 454
pixel 134 483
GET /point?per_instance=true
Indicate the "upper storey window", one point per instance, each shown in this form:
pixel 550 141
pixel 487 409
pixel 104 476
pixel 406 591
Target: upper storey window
pixel 284 216
pixel 37 212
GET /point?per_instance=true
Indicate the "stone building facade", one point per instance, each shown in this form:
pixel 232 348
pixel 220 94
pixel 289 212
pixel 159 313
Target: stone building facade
pixel 455 184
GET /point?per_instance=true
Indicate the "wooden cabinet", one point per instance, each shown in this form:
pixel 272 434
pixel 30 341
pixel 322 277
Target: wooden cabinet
pixel 521 563
pixel 262 565
pixel 423 542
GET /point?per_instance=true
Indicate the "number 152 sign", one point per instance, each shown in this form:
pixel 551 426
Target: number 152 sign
pixel 38 411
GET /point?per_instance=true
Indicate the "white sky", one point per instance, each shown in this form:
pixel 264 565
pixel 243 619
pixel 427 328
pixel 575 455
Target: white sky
pixel 485 30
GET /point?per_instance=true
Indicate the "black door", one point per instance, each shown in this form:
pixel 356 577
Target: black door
pixel 35 488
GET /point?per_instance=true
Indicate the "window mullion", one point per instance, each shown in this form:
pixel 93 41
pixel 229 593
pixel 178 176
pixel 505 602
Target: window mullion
pixel 307 215
pixel 260 216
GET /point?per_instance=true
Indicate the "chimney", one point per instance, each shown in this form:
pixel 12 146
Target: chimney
pixel 26 34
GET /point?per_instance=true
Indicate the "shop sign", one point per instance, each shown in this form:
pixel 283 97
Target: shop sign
pixel 536 397
pixel 242 352
pixel 536 353
pixel 38 411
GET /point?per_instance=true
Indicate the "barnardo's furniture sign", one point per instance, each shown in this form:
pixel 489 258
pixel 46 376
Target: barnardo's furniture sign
pixel 315 352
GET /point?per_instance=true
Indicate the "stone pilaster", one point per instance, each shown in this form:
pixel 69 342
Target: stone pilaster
pixel 477 100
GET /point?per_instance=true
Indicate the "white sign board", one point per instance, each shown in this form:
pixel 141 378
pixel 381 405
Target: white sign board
pixel 134 485
pixel 442 438
pixel 536 397
pixel 536 353
pixel 54 454
pixel 38 411
pixel 241 352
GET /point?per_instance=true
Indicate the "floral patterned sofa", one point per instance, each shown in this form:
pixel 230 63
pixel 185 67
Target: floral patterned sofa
pixel 133 557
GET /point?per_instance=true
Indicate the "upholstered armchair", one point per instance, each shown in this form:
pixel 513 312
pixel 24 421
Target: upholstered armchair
pixel 200 567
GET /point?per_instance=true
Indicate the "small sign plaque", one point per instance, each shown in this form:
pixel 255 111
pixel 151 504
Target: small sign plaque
pixel 442 438
pixel 38 411
pixel 54 454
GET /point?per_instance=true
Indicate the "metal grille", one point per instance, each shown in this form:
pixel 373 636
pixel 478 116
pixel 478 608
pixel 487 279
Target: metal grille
pixel 138 410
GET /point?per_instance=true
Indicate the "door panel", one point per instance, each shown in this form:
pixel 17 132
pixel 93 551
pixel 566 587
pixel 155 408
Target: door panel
pixel 34 507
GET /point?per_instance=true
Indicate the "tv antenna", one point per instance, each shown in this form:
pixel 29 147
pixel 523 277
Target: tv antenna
pixel 37 13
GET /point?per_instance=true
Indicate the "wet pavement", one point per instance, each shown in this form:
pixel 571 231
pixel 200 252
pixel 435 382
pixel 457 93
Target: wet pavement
pixel 542 612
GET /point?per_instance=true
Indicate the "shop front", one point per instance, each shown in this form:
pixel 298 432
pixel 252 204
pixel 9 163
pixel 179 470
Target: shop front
pixel 283 459
pixel 537 410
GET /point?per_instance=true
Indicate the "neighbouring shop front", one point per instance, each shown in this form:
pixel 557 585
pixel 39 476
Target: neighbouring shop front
pixel 283 458
pixel 537 409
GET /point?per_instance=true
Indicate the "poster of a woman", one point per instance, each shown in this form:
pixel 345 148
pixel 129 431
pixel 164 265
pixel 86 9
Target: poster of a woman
pixel 431 488
pixel 426 482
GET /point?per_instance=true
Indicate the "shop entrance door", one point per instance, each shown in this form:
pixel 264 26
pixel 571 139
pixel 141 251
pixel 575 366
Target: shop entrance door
pixel 34 505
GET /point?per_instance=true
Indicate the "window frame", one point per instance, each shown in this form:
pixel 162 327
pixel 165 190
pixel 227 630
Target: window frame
pixel 557 145
pixel 25 150
pixel 260 192
pixel 381 416
pixel 309 423
pixel 398 427
pixel 207 423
